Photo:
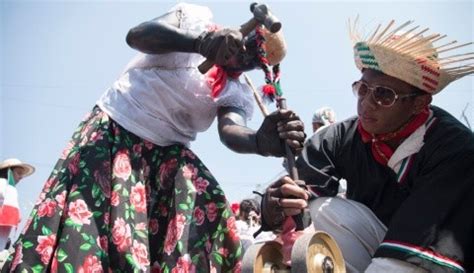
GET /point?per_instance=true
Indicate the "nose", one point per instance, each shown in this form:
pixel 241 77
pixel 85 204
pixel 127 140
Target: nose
pixel 368 102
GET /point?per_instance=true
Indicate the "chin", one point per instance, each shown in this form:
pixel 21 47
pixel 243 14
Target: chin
pixel 371 128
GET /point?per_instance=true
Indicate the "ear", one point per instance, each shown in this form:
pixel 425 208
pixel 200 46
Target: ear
pixel 421 102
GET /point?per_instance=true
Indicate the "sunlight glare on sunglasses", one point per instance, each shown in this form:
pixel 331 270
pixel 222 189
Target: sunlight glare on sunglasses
pixel 382 95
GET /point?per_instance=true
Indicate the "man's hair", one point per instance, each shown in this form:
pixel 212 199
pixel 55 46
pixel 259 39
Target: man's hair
pixel 248 205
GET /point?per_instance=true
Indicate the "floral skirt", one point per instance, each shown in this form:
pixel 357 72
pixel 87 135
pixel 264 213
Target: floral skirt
pixel 117 203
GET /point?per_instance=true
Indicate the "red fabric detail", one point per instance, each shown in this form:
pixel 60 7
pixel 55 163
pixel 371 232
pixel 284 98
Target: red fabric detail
pixel 217 79
pixel 9 216
pixel 381 151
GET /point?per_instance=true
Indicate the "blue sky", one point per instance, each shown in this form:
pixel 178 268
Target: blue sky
pixel 58 57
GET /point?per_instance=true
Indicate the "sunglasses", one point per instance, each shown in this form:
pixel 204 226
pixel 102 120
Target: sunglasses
pixel 382 95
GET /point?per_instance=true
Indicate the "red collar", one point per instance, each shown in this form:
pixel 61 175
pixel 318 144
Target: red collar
pixel 217 79
pixel 381 151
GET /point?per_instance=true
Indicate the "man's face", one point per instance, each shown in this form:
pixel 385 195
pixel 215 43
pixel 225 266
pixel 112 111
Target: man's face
pixel 377 119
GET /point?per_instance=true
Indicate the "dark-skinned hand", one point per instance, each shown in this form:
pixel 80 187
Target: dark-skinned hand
pixel 282 199
pixel 278 128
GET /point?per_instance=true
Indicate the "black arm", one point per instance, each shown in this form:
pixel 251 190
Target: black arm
pixel 277 128
pixel 233 131
pixel 162 35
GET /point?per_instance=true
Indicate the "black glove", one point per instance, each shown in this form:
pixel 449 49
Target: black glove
pixel 218 46
pixel 276 128
pixel 272 212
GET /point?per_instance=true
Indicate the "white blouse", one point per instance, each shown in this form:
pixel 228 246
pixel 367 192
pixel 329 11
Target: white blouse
pixel 164 99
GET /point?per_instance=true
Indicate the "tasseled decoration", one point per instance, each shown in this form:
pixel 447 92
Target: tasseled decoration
pixel 269 90
pixel 272 88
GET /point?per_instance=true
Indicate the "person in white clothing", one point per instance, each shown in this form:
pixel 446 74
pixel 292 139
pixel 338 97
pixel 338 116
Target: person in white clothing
pixel 127 193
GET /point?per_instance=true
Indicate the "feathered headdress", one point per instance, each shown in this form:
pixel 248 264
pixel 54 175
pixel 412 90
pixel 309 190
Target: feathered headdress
pixel 411 57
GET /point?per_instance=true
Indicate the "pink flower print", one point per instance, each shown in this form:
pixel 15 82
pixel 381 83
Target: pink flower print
pixel 102 178
pixel 27 224
pixel 86 130
pixel 140 255
pixel 79 213
pixel 199 215
pixel 184 265
pixel 103 242
pixel 200 184
pixel 232 227
pixel 156 268
pixel 137 197
pixel 137 149
pixel 45 247
pixel 140 226
pixel 211 211
pixel 223 251
pixel 174 233
pixel 188 153
pixel 153 226
pixel 121 165
pixel 96 136
pixel 166 169
pixel 61 199
pixel 47 208
pixel 41 198
pixel 54 263
pixel 47 186
pixel 73 166
pixel 91 265
pixel 189 171
pixel 115 199
pixel 73 188
pixel 146 170
pixel 163 209
pixel 106 218
pixel 121 235
pixel 18 259
pixel 116 130
pixel 148 144
pixel 237 268
pixel 67 150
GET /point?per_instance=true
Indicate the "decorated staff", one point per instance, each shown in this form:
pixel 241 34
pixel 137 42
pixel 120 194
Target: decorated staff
pixel 272 92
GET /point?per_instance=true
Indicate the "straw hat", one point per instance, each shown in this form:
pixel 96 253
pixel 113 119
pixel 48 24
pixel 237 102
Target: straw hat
pixel 24 169
pixel 409 56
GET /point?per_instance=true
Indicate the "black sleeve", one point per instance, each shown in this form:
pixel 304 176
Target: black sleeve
pixel 434 227
pixel 316 162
